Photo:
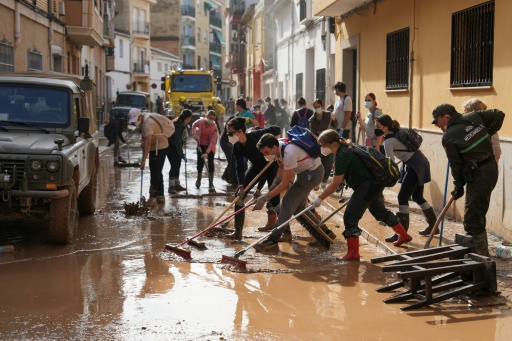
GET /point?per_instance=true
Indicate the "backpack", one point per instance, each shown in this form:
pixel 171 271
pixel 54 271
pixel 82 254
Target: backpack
pixel 384 170
pixel 166 125
pixel 303 120
pixel 410 138
pixel 303 138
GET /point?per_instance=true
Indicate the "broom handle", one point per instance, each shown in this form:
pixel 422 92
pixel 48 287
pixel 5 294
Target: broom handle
pixel 438 221
pixel 245 191
pixel 309 208
pixel 332 214
pixel 249 204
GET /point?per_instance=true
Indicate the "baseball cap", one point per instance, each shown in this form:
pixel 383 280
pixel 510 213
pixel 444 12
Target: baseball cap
pixel 133 115
pixel 441 110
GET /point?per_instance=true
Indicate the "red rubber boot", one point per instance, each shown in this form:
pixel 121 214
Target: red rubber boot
pixel 353 249
pixel 403 237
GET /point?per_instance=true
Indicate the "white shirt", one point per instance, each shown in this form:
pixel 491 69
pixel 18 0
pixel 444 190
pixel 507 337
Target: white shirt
pixel 296 158
pixel 342 104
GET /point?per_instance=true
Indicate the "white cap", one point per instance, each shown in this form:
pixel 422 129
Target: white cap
pixel 133 115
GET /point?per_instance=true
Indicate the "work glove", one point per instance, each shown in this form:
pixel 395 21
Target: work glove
pixel 317 202
pixel 276 182
pixel 204 156
pixel 260 202
pixel 240 192
pixel 257 194
pixel 457 192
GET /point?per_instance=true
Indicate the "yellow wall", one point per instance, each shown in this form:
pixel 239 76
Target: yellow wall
pixel 366 32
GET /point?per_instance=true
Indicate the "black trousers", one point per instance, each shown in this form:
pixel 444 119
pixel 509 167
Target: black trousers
pixel 478 197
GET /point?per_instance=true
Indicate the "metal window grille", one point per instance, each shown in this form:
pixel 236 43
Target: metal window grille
pixel 6 55
pixel 35 60
pixel 397 60
pixel 472 46
pixel 302 10
pixel 320 84
pixel 298 85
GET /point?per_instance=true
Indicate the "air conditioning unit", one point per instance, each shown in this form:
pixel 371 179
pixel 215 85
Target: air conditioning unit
pixel 62 9
pixel 306 12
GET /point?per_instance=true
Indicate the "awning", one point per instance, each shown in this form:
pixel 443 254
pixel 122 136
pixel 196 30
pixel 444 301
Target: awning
pixel 207 6
pixel 215 62
pixel 220 37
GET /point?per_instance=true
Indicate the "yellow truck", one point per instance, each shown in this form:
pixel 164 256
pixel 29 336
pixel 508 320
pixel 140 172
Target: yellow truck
pixel 194 85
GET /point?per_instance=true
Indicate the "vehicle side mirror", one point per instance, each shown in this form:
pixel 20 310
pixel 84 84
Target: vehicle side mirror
pixel 83 125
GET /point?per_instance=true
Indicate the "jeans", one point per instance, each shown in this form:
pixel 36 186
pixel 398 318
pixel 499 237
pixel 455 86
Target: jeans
pixel 156 165
pixel 367 195
pixel 296 198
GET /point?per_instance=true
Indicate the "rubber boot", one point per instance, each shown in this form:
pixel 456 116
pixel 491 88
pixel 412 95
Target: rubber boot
pixel 172 185
pixel 481 245
pixel 403 218
pixel 239 225
pixel 431 218
pixel 198 181
pixel 353 249
pixel 271 221
pixel 211 187
pixel 403 237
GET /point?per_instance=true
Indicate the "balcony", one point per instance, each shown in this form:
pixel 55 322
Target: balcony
pixel 188 42
pixel 333 8
pixel 141 67
pixel 216 48
pixel 215 21
pixel 84 25
pixel 188 11
pixel 140 27
pixel 188 66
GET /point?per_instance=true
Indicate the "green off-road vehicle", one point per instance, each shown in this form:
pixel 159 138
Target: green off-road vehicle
pixel 49 152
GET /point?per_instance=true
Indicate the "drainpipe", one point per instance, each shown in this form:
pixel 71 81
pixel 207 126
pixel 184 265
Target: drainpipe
pixel 17 32
pixel 411 65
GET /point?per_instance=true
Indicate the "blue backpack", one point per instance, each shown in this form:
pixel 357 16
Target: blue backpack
pixel 303 119
pixel 303 138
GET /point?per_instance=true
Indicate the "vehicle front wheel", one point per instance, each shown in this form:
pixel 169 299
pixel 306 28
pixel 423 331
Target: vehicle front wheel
pixel 63 217
pixel 87 198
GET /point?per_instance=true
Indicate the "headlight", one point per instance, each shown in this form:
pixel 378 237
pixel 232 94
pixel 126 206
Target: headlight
pixel 52 166
pixel 36 165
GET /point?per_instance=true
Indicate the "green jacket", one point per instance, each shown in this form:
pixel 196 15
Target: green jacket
pixel 178 138
pixel 468 138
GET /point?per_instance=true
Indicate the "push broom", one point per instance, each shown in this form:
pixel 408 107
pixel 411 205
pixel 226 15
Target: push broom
pixel 186 254
pixel 235 261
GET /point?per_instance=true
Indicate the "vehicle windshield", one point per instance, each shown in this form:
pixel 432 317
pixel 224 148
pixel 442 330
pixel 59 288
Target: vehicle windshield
pixel 131 100
pixel 29 105
pixel 191 83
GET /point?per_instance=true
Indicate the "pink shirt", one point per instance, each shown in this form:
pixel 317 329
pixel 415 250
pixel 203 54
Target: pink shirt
pixel 206 133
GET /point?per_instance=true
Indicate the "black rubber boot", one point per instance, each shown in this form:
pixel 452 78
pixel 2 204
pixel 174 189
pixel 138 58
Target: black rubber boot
pixel 430 216
pixel 481 244
pixel 198 181
pixel 211 187
pixel 239 225
pixel 403 218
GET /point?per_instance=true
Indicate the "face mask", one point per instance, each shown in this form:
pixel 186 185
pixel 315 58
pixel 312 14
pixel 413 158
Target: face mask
pixel 256 111
pixel 233 139
pixel 318 110
pixel 137 123
pixel 368 104
pixel 378 132
pixel 325 151
pixel 270 158
pixel 209 121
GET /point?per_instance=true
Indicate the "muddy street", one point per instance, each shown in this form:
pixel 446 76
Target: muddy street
pixel 114 281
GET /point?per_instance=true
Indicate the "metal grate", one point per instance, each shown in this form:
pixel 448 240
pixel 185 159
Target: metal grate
pixel 397 60
pixel 7 166
pixel 298 85
pixel 472 46
pixel 320 84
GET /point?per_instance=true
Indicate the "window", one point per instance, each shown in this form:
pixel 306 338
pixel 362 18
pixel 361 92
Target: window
pixel 302 10
pixel 159 67
pixel 320 85
pixel 198 34
pixel 121 49
pixel 298 85
pixel 397 60
pixel 6 55
pixel 472 46
pixel 204 37
pixel 135 16
pixel 35 60
pixel 166 67
pixel 198 6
